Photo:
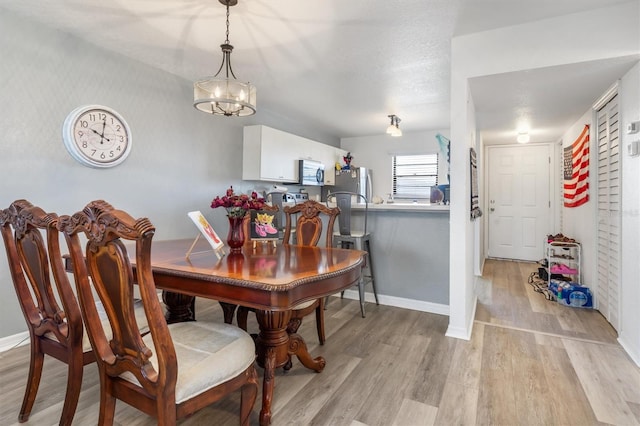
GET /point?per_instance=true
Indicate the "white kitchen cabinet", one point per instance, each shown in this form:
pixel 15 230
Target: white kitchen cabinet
pixel 273 155
pixel 328 156
pixel 270 155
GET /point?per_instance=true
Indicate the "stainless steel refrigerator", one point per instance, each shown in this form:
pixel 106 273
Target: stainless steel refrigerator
pixel 357 179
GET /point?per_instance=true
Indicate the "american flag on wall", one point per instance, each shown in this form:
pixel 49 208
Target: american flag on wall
pixel 576 171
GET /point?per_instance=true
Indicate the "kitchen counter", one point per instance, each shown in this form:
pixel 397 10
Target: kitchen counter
pixel 413 207
pixel 410 245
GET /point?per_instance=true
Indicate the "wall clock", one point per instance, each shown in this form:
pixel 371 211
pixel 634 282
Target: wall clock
pixel 96 136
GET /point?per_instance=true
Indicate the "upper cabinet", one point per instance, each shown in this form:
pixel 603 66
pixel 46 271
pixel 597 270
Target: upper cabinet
pixel 269 154
pixel 273 155
pixel 329 156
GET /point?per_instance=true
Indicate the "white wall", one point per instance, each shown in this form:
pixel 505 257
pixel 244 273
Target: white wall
pixel 629 335
pixel 375 152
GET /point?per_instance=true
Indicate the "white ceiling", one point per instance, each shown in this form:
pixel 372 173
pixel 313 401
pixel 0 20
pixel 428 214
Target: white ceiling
pixel 343 65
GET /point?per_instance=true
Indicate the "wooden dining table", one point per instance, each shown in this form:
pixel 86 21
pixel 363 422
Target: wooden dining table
pixel 272 280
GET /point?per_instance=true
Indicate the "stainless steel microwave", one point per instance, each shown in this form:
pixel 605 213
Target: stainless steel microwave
pixel 311 173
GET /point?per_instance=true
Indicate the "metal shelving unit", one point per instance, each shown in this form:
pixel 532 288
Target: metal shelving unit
pixel 564 258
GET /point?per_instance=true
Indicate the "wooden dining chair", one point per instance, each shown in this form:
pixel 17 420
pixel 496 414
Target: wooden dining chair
pixel 54 330
pixel 174 370
pixel 308 230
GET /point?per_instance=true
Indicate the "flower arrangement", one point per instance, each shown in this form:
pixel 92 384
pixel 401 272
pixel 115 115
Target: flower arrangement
pixel 237 205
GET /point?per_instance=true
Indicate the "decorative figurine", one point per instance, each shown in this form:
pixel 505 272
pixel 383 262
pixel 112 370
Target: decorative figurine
pixel 347 161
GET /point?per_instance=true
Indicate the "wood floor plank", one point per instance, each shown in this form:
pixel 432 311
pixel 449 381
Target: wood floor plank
pixel 496 398
pixel 415 413
pixel 299 404
pixel 603 389
pixel 565 389
pixel 467 360
pixel 531 388
pixel 346 402
pixel 458 406
pixel 381 408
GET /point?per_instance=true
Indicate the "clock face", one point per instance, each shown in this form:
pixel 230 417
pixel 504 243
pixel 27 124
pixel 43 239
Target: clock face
pixel 97 136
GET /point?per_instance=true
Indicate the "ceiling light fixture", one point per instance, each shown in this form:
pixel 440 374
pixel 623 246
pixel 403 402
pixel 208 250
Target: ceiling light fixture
pixel 225 95
pixel 393 128
pixel 523 137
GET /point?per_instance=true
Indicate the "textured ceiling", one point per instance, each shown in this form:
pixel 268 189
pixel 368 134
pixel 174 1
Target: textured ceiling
pixel 341 66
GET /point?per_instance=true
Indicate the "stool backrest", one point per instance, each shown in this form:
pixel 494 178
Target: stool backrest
pixel 276 199
pixel 343 200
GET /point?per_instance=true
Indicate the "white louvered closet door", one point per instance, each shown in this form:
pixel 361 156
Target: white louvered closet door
pixel 608 286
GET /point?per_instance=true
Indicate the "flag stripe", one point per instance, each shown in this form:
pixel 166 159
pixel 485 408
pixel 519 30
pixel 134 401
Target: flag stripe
pixel 576 170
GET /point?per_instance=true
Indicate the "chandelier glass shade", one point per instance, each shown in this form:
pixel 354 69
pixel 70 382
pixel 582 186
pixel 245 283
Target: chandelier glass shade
pixel 223 94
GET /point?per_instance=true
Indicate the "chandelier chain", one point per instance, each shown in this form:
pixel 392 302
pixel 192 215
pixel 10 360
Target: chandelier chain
pixel 227 40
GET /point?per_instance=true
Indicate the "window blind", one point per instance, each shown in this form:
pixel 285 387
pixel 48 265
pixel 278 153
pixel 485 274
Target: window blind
pixel 414 175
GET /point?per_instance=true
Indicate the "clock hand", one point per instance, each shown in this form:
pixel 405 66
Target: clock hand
pixel 101 136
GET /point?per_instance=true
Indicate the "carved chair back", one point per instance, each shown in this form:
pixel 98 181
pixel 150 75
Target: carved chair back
pixel 144 372
pixel 54 330
pixel 308 228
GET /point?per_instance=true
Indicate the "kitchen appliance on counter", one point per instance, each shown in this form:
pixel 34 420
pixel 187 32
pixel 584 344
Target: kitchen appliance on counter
pixel 356 179
pixel 311 173
pixel 295 197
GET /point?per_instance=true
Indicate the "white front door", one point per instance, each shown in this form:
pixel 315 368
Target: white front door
pixel 519 202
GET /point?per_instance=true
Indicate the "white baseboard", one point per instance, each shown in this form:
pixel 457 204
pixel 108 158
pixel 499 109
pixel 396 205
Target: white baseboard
pixel 399 302
pixel 14 341
pixel 635 357
pixel 464 333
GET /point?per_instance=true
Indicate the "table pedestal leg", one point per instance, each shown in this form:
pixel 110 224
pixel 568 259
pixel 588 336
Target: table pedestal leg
pixel 180 307
pixel 228 309
pixel 274 348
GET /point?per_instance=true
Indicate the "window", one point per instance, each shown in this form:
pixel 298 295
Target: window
pixel 414 175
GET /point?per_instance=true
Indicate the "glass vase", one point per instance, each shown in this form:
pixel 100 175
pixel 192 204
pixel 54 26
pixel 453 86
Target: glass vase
pixel 235 238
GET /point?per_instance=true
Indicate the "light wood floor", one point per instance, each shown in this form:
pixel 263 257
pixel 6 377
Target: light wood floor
pixel 529 362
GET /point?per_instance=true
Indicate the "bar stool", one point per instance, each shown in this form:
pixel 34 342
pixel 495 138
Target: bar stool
pixel 350 239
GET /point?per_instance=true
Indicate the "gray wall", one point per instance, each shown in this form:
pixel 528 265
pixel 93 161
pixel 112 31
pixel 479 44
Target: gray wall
pixel 181 158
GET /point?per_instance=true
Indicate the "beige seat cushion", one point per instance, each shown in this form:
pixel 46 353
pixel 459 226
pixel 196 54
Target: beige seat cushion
pixel 304 305
pixel 208 354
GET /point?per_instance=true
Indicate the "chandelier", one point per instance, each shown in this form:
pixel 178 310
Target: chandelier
pixel 224 94
pixel 393 128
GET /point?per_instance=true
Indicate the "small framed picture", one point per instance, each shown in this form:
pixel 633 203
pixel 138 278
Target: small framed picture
pixel 264 225
pixel 206 229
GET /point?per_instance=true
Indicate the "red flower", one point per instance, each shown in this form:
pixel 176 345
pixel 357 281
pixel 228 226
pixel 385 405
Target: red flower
pixel 237 205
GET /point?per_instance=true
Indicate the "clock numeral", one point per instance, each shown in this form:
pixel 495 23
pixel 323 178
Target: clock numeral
pixel 84 123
